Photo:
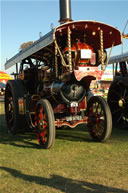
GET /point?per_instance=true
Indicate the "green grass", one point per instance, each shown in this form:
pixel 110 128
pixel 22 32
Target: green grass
pixel 74 165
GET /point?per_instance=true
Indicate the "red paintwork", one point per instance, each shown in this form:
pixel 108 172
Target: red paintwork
pixel 40 117
pixel 60 123
pixel 76 48
pixel 88 71
pixel 60 108
pixel 82 105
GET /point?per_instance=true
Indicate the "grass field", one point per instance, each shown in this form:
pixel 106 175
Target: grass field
pixel 74 165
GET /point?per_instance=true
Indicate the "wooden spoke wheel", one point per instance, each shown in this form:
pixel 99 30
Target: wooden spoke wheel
pixel 99 119
pixel 44 122
pixel 118 102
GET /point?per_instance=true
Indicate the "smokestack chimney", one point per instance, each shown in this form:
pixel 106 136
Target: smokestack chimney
pixel 65 11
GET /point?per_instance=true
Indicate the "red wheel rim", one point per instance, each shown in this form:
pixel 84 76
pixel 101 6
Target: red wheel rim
pixel 41 125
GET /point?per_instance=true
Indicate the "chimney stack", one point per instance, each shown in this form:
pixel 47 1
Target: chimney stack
pixel 65 11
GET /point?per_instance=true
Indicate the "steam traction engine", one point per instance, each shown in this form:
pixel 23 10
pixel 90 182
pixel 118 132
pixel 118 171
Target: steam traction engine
pixel 52 85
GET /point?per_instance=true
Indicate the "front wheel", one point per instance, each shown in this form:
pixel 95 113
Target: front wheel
pixel 99 119
pixel 44 122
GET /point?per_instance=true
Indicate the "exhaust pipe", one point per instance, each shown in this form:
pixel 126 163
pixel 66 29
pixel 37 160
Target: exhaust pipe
pixel 65 11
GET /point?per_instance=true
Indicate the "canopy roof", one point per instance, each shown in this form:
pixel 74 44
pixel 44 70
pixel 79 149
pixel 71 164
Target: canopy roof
pixel 90 29
pixel 119 58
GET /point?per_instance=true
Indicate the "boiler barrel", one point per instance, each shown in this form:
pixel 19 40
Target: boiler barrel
pixel 65 11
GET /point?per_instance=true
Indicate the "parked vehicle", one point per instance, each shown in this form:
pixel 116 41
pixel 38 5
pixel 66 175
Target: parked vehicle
pixel 53 83
pixel 118 91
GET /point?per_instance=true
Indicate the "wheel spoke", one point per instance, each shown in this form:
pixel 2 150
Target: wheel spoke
pixel 9 106
pixel 42 130
pixel 115 92
pixel 97 107
pixel 117 110
pixel 113 101
pixel 125 91
pixel 118 83
pixel 118 120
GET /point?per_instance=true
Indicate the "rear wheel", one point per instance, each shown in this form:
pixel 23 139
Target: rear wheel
pixel 99 119
pixel 15 122
pixel 44 122
pixel 118 102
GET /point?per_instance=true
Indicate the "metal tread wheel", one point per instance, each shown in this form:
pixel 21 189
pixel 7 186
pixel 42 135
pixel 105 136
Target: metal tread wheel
pixel 15 122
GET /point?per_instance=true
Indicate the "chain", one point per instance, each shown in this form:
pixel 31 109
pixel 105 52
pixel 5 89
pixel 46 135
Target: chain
pixel 56 62
pixel 102 49
pixel 69 49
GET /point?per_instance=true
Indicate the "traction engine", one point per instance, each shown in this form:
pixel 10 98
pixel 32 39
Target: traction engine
pixel 52 86
pixel 118 92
